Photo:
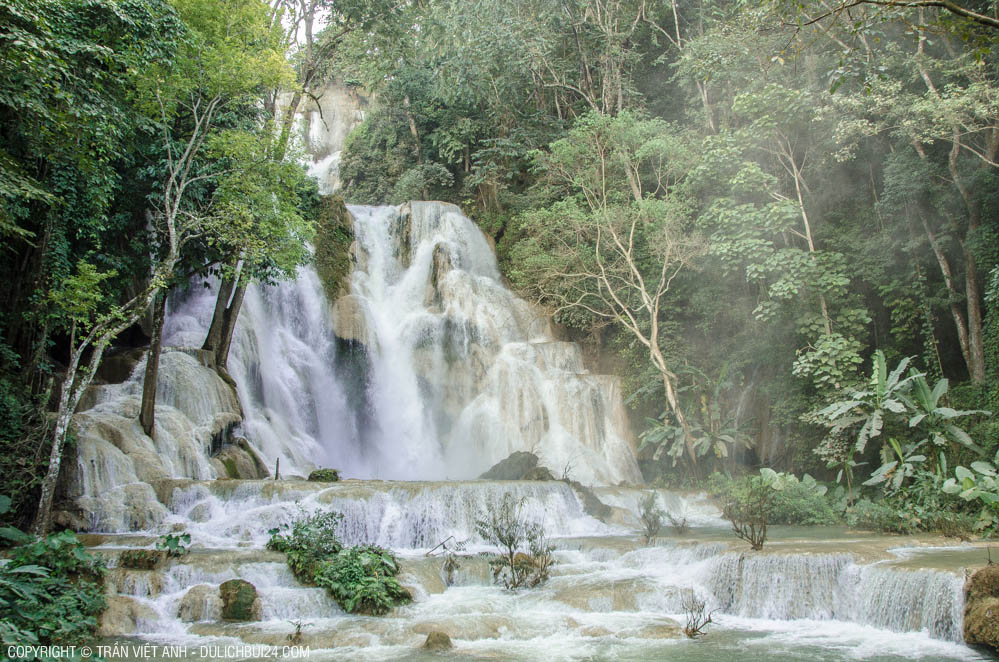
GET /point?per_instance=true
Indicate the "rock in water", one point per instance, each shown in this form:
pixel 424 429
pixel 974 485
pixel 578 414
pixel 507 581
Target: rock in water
pixel 239 601
pixel 438 641
pixel 325 476
pixel 514 467
pixel 200 603
pixel 981 607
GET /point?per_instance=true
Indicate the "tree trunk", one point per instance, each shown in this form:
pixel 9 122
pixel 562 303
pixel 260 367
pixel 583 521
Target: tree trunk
pixel 147 412
pixel 228 326
pixel 976 338
pixel 221 302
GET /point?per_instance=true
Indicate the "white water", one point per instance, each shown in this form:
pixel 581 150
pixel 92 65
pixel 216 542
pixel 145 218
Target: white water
pixel 460 372
pixel 609 597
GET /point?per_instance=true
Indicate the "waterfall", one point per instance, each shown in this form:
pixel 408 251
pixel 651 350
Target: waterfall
pixel 456 371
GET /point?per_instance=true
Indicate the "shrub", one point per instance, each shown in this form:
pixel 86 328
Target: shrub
pixel 881 517
pixel 801 503
pixel 325 476
pixel 526 556
pixel 174 545
pixel 51 591
pixel 309 541
pixel 651 515
pixel 362 580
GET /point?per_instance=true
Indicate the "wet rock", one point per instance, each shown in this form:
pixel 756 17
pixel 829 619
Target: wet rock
pixel 661 630
pixel 441 264
pixel 142 559
pixel 239 601
pixel 123 616
pixel 539 473
pixel 324 476
pixel 349 322
pixel 595 631
pixel 514 467
pixel 240 461
pixel 136 583
pixel 200 603
pixel 599 596
pixel 981 607
pixel 438 641
pixel 117 367
pixel 593 506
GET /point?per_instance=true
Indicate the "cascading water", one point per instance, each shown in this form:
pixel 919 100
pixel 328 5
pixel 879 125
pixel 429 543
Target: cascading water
pixel 459 371
pixel 428 367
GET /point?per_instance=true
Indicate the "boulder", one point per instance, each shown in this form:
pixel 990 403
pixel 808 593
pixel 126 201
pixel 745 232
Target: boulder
pixel 239 601
pixel 981 607
pixel 514 467
pixel 324 476
pixel 538 473
pixel 123 615
pixel 238 460
pixel 200 603
pixel 438 641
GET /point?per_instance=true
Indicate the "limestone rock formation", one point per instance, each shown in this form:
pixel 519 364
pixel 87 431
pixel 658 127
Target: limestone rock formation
pixel 438 641
pixel 239 601
pixel 981 607
pixel 514 467
pixel 238 460
pixel 201 603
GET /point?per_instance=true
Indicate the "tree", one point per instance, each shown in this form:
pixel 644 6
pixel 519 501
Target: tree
pixel 211 71
pixel 612 248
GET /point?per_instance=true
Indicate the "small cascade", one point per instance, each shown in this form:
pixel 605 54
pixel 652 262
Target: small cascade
pixel 404 515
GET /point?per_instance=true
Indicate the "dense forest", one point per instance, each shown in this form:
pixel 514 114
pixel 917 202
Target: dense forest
pixel 753 210
pixel 776 221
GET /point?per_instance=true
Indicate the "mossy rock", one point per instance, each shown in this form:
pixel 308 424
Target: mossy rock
pixel 539 473
pixel 324 476
pixel 142 559
pixel 239 601
pixel 981 608
pixel 517 465
pixel 334 235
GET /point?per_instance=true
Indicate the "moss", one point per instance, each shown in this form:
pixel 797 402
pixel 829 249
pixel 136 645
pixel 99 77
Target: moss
pixel 325 476
pixel 334 235
pixel 230 468
pixel 239 600
pixel 981 608
pixel 142 559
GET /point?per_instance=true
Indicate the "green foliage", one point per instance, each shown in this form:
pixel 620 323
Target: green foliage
pixel 307 542
pixel 526 553
pixel 749 506
pixel 325 475
pixel 712 426
pixel 174 545
pixel 916 409
pixel 362 580
pixel 801 502
pixel 651 515
pixel 334 235
pixel 979 485
pixel 878 516
pixel 51 592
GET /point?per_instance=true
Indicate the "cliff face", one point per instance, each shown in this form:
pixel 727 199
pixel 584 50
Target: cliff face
pixel 328 120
